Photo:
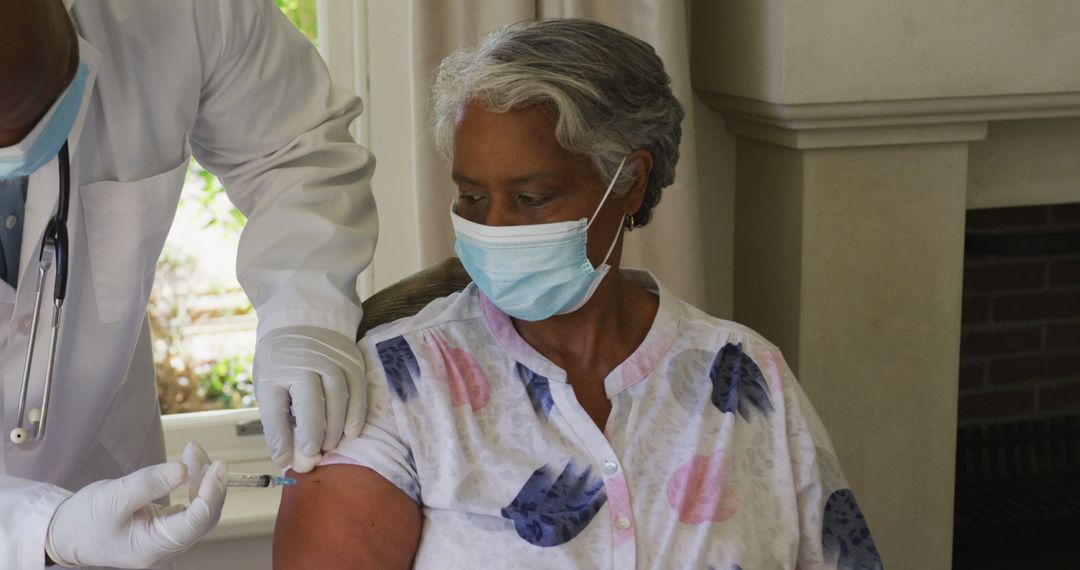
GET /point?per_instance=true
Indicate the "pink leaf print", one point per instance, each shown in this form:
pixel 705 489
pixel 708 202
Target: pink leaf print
pixel 700 491
pixel 467 382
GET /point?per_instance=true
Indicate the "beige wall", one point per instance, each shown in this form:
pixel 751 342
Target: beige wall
pixel 815 51
pixel 769 231
pixel 715 150
pixel 740 49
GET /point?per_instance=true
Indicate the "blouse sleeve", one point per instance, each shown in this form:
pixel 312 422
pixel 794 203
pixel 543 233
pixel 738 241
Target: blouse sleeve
pixel 833 533
pixel 382 446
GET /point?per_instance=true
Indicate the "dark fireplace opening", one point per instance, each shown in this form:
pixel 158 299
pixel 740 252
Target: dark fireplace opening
pixel 1018 443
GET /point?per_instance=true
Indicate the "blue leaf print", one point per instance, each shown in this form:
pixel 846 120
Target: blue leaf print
pixel 538 389
pixel 845 538
pixel 550 511
pixel 738 384
pixel 399 364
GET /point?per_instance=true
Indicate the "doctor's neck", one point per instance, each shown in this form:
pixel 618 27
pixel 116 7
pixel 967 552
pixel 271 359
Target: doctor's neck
pixel 39 55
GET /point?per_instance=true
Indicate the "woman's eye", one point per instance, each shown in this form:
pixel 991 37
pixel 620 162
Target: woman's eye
pixel 533 201
pixel 468 199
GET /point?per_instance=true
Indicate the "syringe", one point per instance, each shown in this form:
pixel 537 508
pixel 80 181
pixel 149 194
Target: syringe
pixel 258 480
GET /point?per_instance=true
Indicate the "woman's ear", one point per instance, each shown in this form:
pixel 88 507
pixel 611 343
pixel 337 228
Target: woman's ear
pixel 641 161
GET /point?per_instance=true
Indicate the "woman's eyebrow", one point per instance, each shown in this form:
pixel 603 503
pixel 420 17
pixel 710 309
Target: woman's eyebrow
pixel 462 179
pixel 533 177
pixel 515 181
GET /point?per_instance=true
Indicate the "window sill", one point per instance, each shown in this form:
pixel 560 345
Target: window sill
pixel 248 512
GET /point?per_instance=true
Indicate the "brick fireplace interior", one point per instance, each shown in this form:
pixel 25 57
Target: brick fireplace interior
pixel 1018 445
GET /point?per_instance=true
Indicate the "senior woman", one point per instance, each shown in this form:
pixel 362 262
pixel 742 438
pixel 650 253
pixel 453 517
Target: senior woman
pixel 562 412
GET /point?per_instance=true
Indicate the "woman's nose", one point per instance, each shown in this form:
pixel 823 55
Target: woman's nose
pixel 499 213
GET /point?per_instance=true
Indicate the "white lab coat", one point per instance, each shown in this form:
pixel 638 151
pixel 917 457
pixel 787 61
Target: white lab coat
pixel 232 82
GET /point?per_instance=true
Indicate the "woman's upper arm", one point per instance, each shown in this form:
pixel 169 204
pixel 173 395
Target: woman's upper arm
pixel 345 516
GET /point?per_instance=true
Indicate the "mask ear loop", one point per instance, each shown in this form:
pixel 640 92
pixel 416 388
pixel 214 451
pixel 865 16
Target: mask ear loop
pixel 618 231
pixel 607 193
pixel 611 248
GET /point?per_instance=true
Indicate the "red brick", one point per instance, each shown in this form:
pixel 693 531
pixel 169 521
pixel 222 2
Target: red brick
pixel 1001 341
pixel 1063 336
pixel 1016 369
pixel 975 309
pixel 1036 306
pixel 1007 218
pixel 1005 276
pixel 1058 398
pixel 1065 273
pixel 1065 214
pixel 990 405
pixel 971 375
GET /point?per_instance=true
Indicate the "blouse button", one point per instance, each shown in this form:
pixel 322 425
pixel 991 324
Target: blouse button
pixel 610 467
pixel 622 523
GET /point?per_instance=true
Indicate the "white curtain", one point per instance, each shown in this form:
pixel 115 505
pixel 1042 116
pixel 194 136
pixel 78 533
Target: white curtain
pixel 671 246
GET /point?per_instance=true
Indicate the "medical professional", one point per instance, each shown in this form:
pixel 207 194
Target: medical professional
pixel 102 103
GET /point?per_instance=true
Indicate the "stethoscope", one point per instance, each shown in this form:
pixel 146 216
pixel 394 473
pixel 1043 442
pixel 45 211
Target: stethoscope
pixel 53 255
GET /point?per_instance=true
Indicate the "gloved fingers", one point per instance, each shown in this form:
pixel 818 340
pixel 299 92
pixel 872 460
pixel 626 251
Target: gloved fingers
pixel 336 393
pixel 186 527
pixel 345 352
pixel 302 463
pixel 274 412
pixel 356 410
pixel 170 510
pixel 196 460
pixel 309 409
pixel 133 492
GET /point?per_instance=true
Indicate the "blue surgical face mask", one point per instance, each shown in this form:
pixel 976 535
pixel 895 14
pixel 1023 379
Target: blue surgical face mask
pixel 43 143
pixel 533 272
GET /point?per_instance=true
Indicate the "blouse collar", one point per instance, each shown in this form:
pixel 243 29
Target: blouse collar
pixel 631 371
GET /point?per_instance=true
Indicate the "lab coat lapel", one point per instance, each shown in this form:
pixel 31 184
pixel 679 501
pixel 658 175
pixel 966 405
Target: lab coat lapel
pixel 41 198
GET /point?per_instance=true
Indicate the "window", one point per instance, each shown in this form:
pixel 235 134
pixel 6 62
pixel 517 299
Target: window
pixel 202 323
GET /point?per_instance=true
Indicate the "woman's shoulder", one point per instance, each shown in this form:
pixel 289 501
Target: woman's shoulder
pixel 715 332
pixel 445 311
pixel 695 327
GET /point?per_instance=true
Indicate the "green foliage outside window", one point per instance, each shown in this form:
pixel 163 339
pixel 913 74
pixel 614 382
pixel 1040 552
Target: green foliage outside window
pixel 303 15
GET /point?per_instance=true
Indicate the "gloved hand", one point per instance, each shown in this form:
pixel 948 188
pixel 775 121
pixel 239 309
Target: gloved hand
pixel 115 523
pixel 315 376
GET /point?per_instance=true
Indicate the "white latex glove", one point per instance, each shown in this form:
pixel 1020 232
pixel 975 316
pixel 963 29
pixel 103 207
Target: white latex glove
pixel 115 523
pixel 315 376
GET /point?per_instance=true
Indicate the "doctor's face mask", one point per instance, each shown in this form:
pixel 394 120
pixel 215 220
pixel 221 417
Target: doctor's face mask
pixel 532 272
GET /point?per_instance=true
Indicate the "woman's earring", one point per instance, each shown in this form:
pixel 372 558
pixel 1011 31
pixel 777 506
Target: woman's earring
pixel 630 223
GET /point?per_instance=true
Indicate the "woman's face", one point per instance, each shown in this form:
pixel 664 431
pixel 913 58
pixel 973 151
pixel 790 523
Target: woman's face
pixel 510 171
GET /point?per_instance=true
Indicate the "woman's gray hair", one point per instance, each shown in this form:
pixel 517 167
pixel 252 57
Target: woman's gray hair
pixel 608 91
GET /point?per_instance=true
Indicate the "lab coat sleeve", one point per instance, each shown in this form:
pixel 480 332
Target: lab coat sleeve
pixel 275 129
pixel 26 507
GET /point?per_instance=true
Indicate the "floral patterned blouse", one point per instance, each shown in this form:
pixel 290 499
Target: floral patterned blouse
pixel 712 456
